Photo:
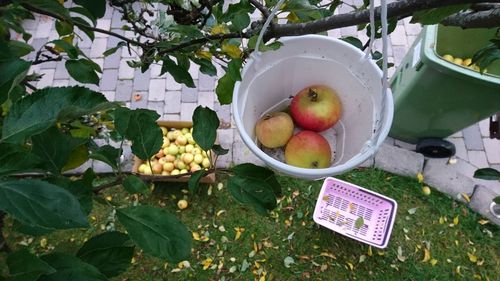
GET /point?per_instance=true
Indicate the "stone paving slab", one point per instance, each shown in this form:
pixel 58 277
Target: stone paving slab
pixel 481 201
pixel 408 163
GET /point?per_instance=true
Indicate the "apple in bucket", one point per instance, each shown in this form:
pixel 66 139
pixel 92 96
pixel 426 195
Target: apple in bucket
pixel 274 129
pixel 308 149
pixel 316 108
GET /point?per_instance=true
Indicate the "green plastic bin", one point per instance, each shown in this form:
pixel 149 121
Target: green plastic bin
pixel 434 98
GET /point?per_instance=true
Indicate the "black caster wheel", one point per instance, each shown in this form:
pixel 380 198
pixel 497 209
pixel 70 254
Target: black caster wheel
pixel 435 148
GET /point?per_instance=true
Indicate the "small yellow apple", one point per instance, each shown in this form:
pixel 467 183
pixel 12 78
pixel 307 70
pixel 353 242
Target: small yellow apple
pixel 182 204
pixel 168 166
pixel 206 163
pixel 426 190
pixel 164 130
pixel 189 148
pixel 174 172
pixel 198 158
pixel 170 136
pixel 142 168
pixel 448 58
pixel 166 142
pixel 188 158
pixel 173 149
pixel 194 167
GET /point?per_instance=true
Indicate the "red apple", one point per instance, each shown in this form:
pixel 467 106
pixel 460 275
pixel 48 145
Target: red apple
pixel 274 129
pixel 308 149
pixel 316 108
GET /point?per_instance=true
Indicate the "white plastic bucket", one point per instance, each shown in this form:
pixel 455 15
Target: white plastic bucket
pixel 270 78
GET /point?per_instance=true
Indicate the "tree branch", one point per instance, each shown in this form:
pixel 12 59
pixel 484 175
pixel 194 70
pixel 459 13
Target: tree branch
pixel 82 26
pixel 204 40
pixel 479 19
pixel 395 9
pixel 263 9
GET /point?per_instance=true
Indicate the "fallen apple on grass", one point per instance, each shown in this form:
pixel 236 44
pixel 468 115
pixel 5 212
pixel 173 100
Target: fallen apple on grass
pixel 308 149
pixel 316 108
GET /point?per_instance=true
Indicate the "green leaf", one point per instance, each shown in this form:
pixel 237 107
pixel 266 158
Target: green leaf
pixel 107 154
pixel 84 12
pixel 41 110
pixel 13 72
pixel 359 222
pixel 123 116
pixel 181 75
pixel 487 55
pixel 110 252
pixel 206 66
pixel 157 232
pixel 140 127
pixel 18 48
pixel 254 192
pixel 111 51
pixel 96 7
pixel 39 203
pixel 63 28
pixel 81 189
pixel 496 200
pixel 54 148
pixel 233 69
pixel 194 180
pixel 134 184
pixel 147 136
pixel 188 31
pixel 487 174
pixel 219 150
pixel 77 157
pixel 51 6
pixel 24 266
pixel 82 70
pixel 252 171
pixel 70 268
pixel 241 21
pixel 87 31
pixel 205 124
pixel 15 159
pixel 391 26
pixel 32 230
pixel 71 50
pixel 435 15
pixel 224 89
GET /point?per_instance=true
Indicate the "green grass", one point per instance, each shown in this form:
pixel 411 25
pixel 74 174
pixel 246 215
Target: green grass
pixel 318 253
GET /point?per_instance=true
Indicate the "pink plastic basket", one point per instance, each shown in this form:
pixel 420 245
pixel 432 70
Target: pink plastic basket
pixel 340 204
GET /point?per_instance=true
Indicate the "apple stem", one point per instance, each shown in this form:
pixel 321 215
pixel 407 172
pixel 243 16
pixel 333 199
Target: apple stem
pixel 315 164
pixel 313 95
pixel 267 116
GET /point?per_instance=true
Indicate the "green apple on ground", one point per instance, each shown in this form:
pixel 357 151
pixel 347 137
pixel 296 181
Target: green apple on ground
pixel 308 149
pixel 316 108
pixel 274 129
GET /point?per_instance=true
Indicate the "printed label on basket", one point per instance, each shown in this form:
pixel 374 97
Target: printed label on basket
pixel 355 212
